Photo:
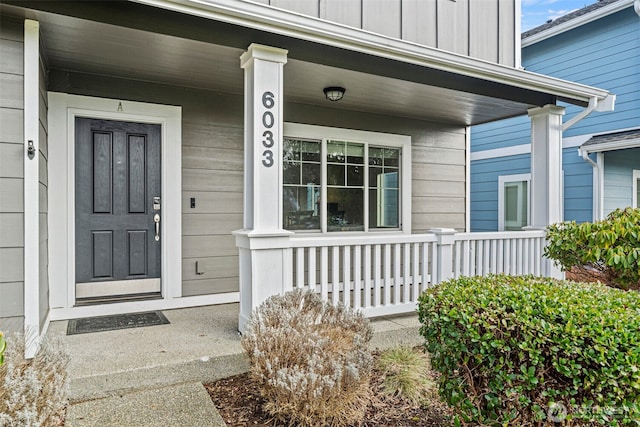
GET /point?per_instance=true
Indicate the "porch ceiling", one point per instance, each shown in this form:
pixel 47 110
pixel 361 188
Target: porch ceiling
pixel 79 45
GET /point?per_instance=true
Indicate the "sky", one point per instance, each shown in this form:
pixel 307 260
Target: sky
pixel 537 12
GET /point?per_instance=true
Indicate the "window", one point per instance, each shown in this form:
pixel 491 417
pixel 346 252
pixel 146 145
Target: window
pixel 344 180
pixel 636 188
pixel 513 202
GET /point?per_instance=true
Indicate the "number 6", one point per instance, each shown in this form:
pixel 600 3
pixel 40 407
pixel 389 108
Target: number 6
pixel 268 100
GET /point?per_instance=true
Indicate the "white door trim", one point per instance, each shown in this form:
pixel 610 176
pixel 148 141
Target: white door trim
pixel 63 109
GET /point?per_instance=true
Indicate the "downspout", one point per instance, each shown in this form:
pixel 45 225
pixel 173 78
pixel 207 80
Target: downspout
pixel 607 104
pixel 593 104
pixel 596 182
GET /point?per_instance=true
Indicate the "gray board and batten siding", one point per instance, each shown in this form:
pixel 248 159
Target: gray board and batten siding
pixel 212 167
pixel 483 29
pixel 11 175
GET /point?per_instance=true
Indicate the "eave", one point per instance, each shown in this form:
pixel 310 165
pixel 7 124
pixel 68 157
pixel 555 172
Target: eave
pixel 290 24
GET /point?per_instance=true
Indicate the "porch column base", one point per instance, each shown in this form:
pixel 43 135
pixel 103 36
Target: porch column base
pixel 265 269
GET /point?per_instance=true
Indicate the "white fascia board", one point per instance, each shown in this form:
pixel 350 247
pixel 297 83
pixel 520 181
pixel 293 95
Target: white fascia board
pixel 577 22
pixel 610 146
pixel 273 20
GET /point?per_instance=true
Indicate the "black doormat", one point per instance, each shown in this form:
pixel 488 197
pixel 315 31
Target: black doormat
pixel 116 321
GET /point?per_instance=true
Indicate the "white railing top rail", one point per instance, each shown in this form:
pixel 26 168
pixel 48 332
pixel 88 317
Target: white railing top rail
pixel 501 235
pixel 311 240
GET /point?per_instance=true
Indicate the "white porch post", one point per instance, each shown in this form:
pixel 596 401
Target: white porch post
pixel 546 171
pixel 265 259
pixel 444 264
pixel 31 188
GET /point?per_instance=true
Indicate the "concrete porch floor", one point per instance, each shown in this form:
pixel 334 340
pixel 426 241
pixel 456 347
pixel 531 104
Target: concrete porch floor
pixel 118 376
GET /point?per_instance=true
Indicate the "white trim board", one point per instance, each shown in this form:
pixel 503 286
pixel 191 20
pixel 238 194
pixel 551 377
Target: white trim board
pixel 147 305
pixel 634 186
pixel 63 109
pixel 514 150
pixel 577 22
pixel 31 188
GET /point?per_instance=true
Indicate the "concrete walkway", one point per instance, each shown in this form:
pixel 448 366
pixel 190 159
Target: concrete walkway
pixel 153 376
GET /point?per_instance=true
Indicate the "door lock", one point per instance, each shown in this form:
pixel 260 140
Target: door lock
pixel 156 219
pixel 156 203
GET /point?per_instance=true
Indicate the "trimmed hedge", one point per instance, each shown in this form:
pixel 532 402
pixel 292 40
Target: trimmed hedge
pixel 511 349
pixel 611 247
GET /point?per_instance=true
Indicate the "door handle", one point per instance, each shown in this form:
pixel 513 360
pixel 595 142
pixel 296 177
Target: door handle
pixel 156 219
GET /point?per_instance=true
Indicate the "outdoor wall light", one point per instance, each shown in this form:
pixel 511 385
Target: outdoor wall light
pixel 334 93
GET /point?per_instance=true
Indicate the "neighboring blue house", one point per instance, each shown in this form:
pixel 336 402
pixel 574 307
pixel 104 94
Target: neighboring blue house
pixel 598 45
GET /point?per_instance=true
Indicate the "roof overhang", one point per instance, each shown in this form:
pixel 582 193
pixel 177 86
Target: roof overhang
pixel 619 140
pixel 291 24
pixel 199 40
pixel 578 21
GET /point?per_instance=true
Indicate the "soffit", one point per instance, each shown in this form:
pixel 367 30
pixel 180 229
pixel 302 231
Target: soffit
pixel 85 46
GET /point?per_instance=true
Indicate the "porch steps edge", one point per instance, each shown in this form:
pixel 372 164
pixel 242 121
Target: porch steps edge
pixel 120 383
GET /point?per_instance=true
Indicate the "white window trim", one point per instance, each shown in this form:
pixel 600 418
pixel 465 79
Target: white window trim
pixel 503 179
pixel 324 133
pixel 634 194
pixel 63 109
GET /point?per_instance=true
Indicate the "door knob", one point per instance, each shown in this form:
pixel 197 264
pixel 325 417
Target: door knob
pixel 156 219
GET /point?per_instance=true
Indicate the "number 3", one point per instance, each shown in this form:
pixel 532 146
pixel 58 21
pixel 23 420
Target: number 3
pixel 268 161
pixel 268 139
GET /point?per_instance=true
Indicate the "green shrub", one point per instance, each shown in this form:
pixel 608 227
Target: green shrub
pixel 3 347
pixel 611 247
pixel 33 393
pixel 512 348
pixel 310 360
pixel 405 373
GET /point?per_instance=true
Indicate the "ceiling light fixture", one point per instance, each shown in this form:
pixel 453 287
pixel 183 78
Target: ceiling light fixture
pixel 334 93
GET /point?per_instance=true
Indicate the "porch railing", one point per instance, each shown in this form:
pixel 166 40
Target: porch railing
pixel 381 274
pixel 510 252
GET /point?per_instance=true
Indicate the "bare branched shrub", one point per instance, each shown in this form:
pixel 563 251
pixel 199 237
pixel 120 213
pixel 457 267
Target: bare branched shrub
pixel 33 393
pixel 310 360
pixel 406 375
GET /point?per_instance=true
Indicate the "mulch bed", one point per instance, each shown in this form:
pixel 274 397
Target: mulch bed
pixel 240 404
pixel 587 274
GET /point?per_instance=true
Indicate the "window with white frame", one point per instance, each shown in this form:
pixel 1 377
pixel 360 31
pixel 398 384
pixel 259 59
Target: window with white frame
pixel 513 202
pixel 344 180
pixel 636 188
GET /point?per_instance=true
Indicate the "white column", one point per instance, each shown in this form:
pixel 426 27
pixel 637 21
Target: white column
pixel 265 259
pixel 31 157
pixel 546 170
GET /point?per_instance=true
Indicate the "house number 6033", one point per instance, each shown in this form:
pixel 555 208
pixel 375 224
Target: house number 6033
pixel 268 102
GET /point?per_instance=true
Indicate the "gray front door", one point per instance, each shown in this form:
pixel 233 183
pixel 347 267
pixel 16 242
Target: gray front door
pixel 117 192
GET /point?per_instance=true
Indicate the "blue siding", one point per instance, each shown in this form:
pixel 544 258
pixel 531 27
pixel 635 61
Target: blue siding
pixel 578 186
pixel 484 188
pixel 603 53
pixel 618 178
pixel 505 133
